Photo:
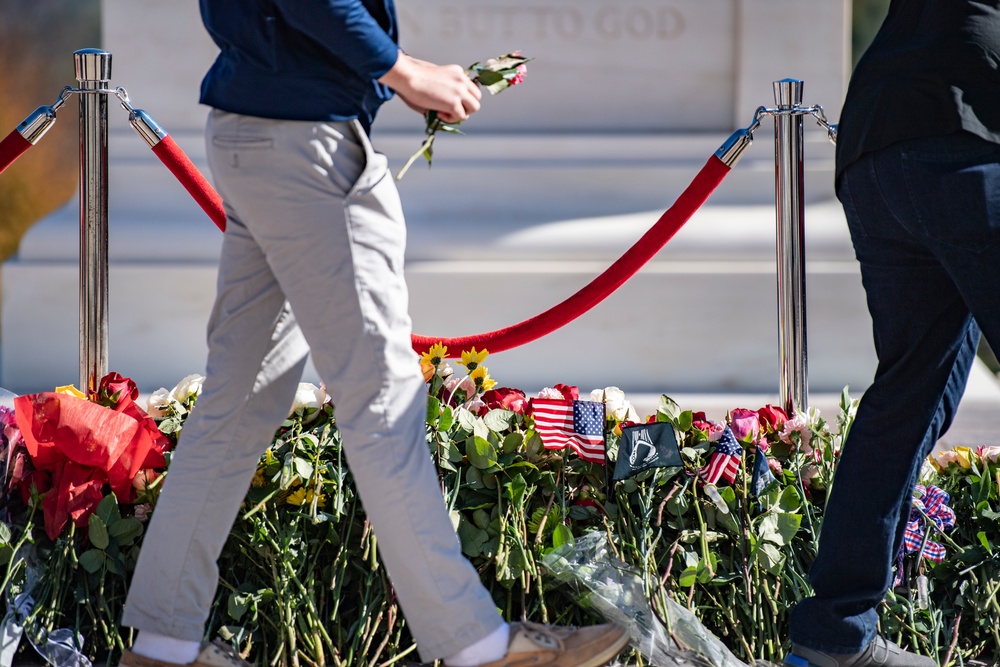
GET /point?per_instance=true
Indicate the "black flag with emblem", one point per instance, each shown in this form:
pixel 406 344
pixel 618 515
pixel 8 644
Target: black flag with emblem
pixel 646 446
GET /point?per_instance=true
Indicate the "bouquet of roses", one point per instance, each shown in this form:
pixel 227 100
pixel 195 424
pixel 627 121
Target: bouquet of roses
pixel 495 75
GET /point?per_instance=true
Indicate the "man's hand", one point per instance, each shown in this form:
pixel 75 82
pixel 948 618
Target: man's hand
pixel 425 86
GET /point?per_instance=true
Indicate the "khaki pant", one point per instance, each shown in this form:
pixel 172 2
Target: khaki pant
pixel 315 228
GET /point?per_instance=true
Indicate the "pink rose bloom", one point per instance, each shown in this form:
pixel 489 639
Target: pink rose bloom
pixel 477 406
pixel 745 424
pixel 142 512
pixel 710 428
pixel 775 466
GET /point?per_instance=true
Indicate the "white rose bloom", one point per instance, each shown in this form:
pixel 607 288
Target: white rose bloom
pixel 307 395
pixel 188 387
pixel 615 404
pixel 549 392
pixel 158 402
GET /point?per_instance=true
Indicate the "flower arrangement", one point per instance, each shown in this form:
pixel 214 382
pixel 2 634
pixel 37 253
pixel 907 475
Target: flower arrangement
pixel 495 75
pixel 301 582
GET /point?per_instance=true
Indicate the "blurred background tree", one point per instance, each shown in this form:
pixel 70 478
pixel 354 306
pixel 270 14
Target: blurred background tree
pixel 37 41
pixel 866 18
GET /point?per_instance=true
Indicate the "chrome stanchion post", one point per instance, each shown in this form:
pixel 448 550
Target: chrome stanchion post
pixel 790 208
pixel 93 71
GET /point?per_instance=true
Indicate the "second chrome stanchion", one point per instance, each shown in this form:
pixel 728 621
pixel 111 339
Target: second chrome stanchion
pixel 790 209
pixel 93 71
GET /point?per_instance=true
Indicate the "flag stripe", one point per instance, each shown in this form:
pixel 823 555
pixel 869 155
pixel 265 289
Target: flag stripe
pixel 577 424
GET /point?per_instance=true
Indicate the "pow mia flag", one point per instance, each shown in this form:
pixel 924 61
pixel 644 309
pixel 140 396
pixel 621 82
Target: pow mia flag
pixel 646 446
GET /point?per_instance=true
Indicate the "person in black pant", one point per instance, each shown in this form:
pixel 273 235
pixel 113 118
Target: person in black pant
pixel 918 174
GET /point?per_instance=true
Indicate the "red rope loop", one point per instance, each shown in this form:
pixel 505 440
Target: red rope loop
pixel 534 327
pixel 603 285
pixel 197 186
pixel 11 148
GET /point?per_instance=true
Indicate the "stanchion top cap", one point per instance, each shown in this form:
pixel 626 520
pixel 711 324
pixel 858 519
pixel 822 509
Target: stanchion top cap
pixel 92 65
pixel 787 92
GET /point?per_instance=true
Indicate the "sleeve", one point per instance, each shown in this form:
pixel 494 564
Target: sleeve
pixel 347 29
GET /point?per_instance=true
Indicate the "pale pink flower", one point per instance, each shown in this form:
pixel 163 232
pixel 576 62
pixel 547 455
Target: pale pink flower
pixel 991 453
pixel 142 512
pixel 465 383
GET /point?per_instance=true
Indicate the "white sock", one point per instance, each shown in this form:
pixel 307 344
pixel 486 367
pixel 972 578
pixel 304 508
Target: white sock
pixel 167 649
pixel 491 647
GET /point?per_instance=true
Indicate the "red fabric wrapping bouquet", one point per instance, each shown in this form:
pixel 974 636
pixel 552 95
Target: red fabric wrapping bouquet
pixel 76 446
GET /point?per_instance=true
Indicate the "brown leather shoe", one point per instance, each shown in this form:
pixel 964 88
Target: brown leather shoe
pixel 537 645
pixel 215 654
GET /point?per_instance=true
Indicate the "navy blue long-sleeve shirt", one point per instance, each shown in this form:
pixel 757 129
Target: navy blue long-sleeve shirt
pixel 300 59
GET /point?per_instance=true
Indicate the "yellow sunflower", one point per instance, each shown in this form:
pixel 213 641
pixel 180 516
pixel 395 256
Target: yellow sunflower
pixel 471 359
pixel 481 376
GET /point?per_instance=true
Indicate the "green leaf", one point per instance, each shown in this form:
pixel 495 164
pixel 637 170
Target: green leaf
pixel 98 532
pixel 562 535
pixel 512 443
pixel 789 501
pixel 769 557
pixel 92 560
pixel 498 420
pixel 447 418
pixel 488 77
pixel 4 533
pixel 685 421
pixel 689 576
pixel 473 539
pixel 481 453
pixel 107 509
pixel 303 468
pixel 237 605
pixel 466 419
pixel 125 529
pixel 516 489
pixel 433 410
pixel 668 408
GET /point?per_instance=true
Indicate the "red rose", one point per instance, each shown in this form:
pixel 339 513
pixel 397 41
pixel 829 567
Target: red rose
pixel 569 392
pixel 113 390
pixel 507 399
pixel 772 418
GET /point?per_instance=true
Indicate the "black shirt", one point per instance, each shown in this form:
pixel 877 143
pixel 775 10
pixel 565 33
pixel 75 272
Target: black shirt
pixel 931 70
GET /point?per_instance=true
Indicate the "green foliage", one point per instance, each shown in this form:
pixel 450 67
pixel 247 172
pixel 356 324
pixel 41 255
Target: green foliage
pixel 301 581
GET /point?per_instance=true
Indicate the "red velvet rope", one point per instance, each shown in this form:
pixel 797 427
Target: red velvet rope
pixel 197 186
pixel 11 148
pixel 603 285
pixel 534 327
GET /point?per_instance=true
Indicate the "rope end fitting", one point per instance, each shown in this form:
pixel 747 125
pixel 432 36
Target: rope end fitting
pixel 146 127
pixel 732 150
pixel 37 124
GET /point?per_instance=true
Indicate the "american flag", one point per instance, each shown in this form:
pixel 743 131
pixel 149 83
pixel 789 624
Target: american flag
pixel 725 459
pixel 579 424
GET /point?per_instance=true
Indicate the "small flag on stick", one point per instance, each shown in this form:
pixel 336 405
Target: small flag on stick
pixel 646 446
pixel 724 462
pixel 579 424
pixel 762 477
